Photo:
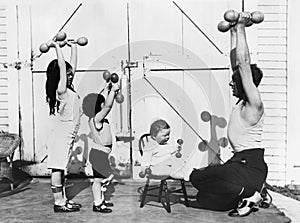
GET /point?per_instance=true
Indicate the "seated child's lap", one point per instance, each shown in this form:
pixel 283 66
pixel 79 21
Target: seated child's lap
pixel 162 168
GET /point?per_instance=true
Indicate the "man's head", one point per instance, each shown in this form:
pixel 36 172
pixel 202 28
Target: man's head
pixel 160 131
pixel 236 82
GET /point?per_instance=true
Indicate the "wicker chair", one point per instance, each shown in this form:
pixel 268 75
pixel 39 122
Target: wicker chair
pixel 164 191
pixel 8 144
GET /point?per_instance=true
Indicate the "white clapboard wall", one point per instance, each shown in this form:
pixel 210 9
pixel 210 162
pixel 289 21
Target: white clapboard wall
pixel 3 70
pixel 272 58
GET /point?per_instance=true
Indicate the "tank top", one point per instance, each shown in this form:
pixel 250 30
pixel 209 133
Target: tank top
pixel 241 137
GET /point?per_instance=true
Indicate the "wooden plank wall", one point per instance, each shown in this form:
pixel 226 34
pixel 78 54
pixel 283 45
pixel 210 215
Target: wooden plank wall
pixel 272 58
pixel 3 71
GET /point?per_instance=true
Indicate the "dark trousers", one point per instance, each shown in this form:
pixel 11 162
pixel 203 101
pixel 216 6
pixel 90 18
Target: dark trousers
pixel 222 186
pixel 100 163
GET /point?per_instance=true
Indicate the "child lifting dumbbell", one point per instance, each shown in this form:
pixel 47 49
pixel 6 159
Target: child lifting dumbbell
pixel 64 106
pixel 159 156
pixel 61 38
pixel 231 17
pixel 96 107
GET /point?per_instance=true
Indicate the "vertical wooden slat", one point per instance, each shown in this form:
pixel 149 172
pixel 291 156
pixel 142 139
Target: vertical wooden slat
pixel 272 58
pixel 3 72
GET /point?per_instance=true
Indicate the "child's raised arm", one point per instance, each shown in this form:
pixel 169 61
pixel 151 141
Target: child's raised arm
pixel 107 105
pixel 73 58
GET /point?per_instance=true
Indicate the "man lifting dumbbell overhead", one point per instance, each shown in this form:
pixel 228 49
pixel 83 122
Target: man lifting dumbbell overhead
pixel 236 184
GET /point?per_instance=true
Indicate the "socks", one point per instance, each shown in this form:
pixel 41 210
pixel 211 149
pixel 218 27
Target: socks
pixel 57 191
pixel 256 197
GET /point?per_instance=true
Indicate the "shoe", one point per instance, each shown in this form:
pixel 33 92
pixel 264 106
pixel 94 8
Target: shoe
pixel 74 204
pixel 65 208
pixel 101 208
pixel 246 206
pixel 108 204
pixel 244 209
pixel 266 198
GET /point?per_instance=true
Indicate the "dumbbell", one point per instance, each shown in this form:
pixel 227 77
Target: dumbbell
pixel 147 172
pixel 114 78
pixel 231 17
pixel 81 41
pixel 179 148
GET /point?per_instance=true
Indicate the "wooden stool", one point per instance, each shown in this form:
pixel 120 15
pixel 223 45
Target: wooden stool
pixel 164 192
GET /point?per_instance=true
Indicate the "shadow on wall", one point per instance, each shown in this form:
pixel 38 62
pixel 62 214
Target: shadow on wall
pixel 213 146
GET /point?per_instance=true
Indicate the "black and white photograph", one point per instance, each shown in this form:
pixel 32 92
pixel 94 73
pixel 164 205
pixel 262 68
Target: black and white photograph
pixel 149 111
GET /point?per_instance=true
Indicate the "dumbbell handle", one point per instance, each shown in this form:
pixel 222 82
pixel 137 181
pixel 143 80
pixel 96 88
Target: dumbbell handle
pixel 255 17
pixel 69 41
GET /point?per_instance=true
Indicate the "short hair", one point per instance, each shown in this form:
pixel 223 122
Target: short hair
pixel 91 104
pixel 158 125
pixel 257 74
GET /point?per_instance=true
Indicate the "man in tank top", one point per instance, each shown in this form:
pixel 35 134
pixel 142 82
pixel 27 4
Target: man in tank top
pixel 236 184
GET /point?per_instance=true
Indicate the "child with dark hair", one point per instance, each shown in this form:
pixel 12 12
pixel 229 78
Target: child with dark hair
pixel 64 104
pixel 96 108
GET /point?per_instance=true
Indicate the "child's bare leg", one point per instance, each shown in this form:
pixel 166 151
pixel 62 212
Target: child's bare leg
pixel 57 187
pixel 97 193
pixel 182 170
pixel 98 189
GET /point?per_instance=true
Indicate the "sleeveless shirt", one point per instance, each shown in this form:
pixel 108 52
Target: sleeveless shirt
pixel 241 137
